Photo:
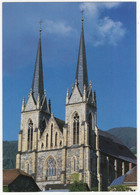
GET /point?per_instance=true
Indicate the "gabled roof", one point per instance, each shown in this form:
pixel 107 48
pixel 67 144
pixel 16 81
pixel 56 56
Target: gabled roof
pixel 60 123
pixel 111 145
pixel 10 175
pixel 81 72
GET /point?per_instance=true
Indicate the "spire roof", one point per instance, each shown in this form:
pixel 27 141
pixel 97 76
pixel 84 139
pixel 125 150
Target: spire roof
pixel 37 84
pixel 81 73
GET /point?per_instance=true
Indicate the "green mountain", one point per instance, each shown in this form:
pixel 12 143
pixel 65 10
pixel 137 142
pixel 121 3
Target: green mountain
pixel 9 154
pixel 128 135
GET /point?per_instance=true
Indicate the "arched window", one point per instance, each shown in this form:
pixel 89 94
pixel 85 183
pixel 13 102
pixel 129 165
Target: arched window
pixel 92 135
pixel 51 167
pixel 30 135
pixel 90 128
pixel 56 139
pixel 74 164
pixel 51 134
pixel 47 140
pixel 28 170
pixel 76 129
pixel 42 145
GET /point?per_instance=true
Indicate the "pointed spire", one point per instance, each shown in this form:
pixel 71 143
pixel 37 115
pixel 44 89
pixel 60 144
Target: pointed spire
pixel 37 84
pixel 67 97
pixel 81 73
pixel 50 105
pixel 23 104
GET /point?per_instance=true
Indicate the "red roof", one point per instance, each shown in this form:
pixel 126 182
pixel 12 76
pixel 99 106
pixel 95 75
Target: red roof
pixel 10 175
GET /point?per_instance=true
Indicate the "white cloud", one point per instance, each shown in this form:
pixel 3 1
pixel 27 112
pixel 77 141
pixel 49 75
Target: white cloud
pixel 103 30
pixel 109 31
pixel 90 9
pixel 57 27
pixel 111 5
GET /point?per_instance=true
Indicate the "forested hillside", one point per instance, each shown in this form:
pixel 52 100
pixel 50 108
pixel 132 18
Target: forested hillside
pixel 128 135
pixel 9 154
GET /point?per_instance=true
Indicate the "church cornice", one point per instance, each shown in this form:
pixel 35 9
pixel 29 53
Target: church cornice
pixel 85 102
pixel 39 110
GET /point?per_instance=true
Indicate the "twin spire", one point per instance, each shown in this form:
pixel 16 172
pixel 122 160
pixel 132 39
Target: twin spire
pixel 81 72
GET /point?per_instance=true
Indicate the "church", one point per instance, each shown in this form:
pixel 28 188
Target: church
pixel 57 152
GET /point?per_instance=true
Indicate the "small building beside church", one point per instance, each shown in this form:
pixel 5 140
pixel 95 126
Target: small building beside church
pixel 56 152
pixel 15 180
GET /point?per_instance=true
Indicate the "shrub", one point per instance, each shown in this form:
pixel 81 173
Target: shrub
pixel 94 189
pixel 78 187
pixel 74 177
pixel 119 188
pixel 5 189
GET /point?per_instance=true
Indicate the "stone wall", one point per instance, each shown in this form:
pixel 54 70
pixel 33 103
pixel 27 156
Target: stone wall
pixel 42 164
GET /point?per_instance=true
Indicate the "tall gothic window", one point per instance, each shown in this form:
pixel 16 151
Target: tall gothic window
pixel 74 164
pixel 51 167
pixel 56 139
pixel 30 135
pixel 90 129
pixel 76 129
pixel 92 135
pixel 47 140
pixel 28 170
pixel 51 134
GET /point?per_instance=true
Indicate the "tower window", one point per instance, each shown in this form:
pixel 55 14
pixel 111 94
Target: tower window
pixel 51 134
pixel 47 140
pixel 90 129
pixel 30 135
pixel 76 129
pixel 56 139
pixel 92 135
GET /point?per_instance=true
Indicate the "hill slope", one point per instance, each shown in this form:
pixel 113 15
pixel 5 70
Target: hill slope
pixel 9 154
pixel 127 135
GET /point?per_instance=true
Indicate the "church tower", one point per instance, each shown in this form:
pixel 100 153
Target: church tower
pixel 80 119
pixel 35 114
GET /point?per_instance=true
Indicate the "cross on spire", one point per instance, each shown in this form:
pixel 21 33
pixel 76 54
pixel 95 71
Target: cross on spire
pixel 40 25
pixel 82 12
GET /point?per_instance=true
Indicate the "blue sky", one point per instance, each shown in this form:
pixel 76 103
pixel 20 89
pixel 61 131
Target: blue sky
pixel 110 38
